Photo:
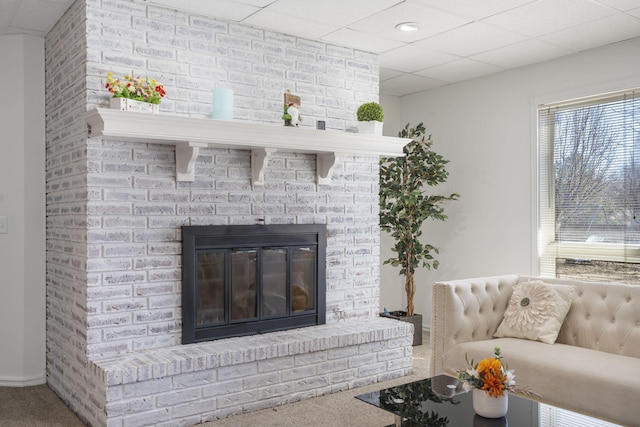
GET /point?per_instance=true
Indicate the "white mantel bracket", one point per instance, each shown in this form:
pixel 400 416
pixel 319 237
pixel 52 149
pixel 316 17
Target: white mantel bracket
pixel 189 134
pixel 186 155
pixel 325 162
pixel 259 160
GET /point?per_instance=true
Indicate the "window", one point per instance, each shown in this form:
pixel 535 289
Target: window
pixel 589 188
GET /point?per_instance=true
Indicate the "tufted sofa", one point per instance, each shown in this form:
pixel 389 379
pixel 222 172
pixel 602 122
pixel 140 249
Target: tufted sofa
pixel 594 366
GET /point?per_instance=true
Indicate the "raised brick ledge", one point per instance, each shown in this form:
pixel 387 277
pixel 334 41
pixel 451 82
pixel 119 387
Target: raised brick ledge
pixel 175 360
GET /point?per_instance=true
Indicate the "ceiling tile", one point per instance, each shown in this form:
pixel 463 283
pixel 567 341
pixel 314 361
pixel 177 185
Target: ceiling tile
pixel 457 71
pixel 387 73
pixel 294 26
pixel 34 15
pixel 413 58
pixel 474 9
pixel 334 12
pixel 520 54
pixel 623 5
pixel 431 21
pixel 407 84
pixel 634 12
pixel 548 16
pixel 259 3
pixel 223 9
pixel 597 33
pixel 7 9
pixel 361 41
pixel 471 39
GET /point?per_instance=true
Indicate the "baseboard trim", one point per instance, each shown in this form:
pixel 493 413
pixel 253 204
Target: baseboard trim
pixel 6 381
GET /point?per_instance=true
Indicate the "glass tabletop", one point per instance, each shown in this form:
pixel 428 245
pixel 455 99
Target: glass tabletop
pixel 441 402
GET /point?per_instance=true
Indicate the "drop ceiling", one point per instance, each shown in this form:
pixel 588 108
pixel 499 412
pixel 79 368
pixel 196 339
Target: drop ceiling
pixel 456 39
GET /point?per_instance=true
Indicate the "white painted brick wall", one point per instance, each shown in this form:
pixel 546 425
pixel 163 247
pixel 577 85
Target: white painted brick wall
pixel 114 211
pixel 142 204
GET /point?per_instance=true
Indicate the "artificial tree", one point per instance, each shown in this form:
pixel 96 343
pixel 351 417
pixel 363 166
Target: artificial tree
pixel 405 203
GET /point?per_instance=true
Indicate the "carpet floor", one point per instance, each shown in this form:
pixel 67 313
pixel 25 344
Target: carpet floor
pixel 39 406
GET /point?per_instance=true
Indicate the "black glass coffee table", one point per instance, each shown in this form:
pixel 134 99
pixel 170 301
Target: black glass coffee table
pixel 441 402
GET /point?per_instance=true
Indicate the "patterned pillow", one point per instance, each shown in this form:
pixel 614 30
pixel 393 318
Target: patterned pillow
pixel 536 311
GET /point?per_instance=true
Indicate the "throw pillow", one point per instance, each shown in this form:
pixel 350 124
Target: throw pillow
pixel 536 311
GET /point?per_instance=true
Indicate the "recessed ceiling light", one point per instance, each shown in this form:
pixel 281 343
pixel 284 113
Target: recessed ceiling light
pixel 407 26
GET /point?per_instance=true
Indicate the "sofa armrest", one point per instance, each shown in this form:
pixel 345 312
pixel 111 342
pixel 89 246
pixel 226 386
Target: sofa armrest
pixel 466 310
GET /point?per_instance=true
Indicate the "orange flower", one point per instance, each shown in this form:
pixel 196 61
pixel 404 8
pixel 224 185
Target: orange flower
pixel 493 384
pixel 491 364
pixel 490 370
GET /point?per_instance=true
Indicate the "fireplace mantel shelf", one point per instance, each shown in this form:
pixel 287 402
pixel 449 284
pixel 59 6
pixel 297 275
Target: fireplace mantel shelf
pixel 190 134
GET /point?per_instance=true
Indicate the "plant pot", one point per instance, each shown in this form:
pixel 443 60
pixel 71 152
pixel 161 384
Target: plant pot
pixel 126 104
pixel 416 320
pixel 488 406
pixel 372 128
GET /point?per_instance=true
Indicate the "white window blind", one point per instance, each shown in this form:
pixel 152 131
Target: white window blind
pixel 550 416
pixel 589 180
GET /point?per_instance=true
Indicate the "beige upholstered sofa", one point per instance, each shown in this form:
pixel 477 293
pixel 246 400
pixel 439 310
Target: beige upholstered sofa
pixel 594 365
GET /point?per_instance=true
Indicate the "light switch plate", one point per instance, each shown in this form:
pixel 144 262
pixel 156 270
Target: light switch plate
pixel 4 225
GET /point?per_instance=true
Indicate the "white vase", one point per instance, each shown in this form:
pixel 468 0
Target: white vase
pixel 488 406
pixel 126 104
pixel 372 128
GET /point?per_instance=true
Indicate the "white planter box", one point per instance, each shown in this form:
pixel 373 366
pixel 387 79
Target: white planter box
pixel 126 104
pixel 370 128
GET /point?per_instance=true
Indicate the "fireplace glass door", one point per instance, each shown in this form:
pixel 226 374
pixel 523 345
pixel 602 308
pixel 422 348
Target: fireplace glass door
pixel 244 284
pixel 211 289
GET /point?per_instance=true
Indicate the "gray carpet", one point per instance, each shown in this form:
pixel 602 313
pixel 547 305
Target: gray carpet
pixel 35 406
pixel 40 407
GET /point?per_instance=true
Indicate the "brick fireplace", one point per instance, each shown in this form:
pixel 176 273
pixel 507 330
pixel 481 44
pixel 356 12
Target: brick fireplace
pixel 115 211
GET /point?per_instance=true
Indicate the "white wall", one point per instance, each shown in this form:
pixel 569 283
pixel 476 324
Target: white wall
pixel 22 197
pixel 487 128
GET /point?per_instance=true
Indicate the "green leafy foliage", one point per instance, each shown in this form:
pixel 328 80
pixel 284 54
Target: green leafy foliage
pixel 406 203
pixel 415 401
pixel 370 111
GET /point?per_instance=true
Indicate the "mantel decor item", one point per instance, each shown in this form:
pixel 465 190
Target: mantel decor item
pixel 291 115
pixel 370 116
pixel 222 108
pixel 490 381
pixel 135 93
pixel 127 104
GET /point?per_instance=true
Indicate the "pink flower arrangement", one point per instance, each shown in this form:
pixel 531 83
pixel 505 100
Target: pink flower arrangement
pixel 138 88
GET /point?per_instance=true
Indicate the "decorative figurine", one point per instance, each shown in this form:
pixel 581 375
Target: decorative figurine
pixel 291 114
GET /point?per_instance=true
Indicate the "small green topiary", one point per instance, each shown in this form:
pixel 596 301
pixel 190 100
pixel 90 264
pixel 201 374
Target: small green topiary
pixel 370 111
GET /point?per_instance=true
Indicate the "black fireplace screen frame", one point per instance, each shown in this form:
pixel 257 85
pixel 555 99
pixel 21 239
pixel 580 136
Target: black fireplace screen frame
pixel 205 238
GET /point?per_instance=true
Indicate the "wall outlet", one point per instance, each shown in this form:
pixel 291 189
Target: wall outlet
pixel 4 225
